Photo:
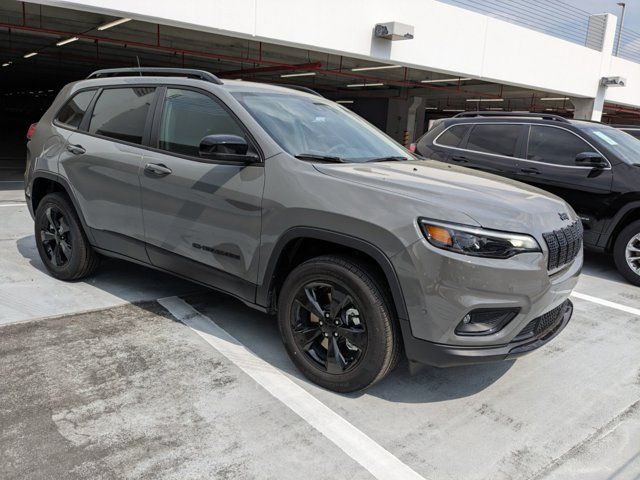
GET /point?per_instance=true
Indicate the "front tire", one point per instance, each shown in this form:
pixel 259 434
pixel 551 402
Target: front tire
pixel 626 252
pixel 337 324
pixel 61 242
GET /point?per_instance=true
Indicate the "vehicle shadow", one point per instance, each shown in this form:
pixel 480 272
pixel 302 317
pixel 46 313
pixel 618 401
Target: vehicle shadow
pixel 601 265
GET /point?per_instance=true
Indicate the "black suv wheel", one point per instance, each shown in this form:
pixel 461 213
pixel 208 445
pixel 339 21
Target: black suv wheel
pixel 62 245
pixel 337 325
pixel 626 252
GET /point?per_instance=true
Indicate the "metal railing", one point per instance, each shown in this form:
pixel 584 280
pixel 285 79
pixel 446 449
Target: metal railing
pixel 629 46
pixel 552 17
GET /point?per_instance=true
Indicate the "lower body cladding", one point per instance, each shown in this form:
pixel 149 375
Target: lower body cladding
pixel 517 306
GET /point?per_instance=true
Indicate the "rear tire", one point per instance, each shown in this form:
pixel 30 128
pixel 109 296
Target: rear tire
pixel 61 242
pixel 337 324
pixel 626 252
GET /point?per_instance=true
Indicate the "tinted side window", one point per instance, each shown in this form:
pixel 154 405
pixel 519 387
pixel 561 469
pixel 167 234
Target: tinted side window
pixel 453 136
pixel 188 117
pixel 554 145
pixel 73 111
pixel 496 139
pixel 121 113
pixel 633 132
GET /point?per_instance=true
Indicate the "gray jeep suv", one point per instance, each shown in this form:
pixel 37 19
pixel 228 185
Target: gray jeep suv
pixel 296 206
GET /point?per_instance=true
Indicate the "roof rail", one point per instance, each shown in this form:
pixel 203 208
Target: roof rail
pixel 544 116
pixel 167 72
pixel 299 88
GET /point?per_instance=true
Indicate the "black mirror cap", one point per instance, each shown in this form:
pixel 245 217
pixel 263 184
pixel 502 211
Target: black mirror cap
pixel 227 148
pixel 591 159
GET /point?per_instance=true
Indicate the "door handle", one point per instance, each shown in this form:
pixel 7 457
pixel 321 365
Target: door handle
pixel 76 149
pixel 460 159
pixel 157 169
pixel 530 171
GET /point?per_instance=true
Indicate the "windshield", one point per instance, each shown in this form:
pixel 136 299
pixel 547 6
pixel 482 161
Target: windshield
pixel 307 127
pixel 624 145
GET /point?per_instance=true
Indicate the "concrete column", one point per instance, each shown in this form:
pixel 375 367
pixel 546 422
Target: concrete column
pixel 405 118
pixel 600 36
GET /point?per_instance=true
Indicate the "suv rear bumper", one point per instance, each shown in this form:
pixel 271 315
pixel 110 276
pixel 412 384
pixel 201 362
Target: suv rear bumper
pixel 441 355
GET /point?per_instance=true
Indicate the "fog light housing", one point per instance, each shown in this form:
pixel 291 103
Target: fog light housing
pixel 485 321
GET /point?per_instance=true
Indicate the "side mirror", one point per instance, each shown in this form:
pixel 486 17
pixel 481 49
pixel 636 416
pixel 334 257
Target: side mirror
pixel 591 159
pixel 226 148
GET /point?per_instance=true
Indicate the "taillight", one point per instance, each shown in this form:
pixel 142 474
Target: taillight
pixel 32 130
pixel 412 148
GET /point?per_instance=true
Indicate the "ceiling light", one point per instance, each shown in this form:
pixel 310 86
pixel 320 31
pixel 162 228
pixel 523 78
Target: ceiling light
pixel 68 40
pixel 495 108
pixel 344 101
pixel 115 23
pixel 452 110
pixel 431 108
pixel 381 67
pixel 485 99
pixel 6 64
pixel 352 85
pixel 554 99
pixel 305 74
pixel 29 55
pixel 446 80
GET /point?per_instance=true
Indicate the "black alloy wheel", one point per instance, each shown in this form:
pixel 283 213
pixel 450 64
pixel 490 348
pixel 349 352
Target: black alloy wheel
pixel 55 237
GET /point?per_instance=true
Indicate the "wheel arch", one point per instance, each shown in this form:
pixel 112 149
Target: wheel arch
pixel 625 216
pixel 301 243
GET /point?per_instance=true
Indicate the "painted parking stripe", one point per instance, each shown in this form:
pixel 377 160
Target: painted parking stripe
pixel 606 303
pixel 13 204
pixel 381 463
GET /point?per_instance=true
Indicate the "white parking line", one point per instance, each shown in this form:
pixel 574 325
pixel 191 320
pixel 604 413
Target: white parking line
pixel 13 204
pixel 606 303
pixel 381 463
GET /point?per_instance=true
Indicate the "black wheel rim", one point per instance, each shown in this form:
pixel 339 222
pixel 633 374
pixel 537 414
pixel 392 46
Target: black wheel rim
pixel 55 237
pixel 328 327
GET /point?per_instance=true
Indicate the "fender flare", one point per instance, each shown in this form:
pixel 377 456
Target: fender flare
pixel 262 294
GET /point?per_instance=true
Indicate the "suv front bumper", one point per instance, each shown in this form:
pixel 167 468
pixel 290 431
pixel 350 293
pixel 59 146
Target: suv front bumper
pixel 439 355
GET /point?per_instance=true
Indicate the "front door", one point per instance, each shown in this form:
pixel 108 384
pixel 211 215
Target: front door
pixel 202 219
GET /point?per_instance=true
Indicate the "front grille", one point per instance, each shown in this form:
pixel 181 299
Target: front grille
pixel 564 245
pixel 542 324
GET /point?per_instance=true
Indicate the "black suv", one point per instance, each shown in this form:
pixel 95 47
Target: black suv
pixel 594 167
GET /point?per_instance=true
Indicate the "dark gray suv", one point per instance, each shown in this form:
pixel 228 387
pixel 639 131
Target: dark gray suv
pixel 296 206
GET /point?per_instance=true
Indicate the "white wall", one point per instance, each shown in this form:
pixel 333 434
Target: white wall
pixel 448 39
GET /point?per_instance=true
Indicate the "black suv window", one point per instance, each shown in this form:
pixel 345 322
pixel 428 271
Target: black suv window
pixel 453 136
pixel 73 111
pixel 496 139
pixel 190 116
pixel 121 113
pixel 555 145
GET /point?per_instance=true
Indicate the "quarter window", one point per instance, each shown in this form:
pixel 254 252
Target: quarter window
pixel 190 116
pixel 121 113
pixel 73 111
pixel 496 139
pixel 555 145
pixel 453 136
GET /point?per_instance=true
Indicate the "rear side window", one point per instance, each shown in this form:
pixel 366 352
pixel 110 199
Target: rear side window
pixel 555 145
pixel 496 139
pixel 73 111
pixel 188 117
pixel 121 113
pixel 452 136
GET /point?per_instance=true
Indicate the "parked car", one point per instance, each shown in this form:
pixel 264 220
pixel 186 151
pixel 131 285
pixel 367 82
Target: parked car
pixel 633 130
pixel 296 206
pixel 594 167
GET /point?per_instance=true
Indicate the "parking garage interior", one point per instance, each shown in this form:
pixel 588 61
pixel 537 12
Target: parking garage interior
pixel 44 47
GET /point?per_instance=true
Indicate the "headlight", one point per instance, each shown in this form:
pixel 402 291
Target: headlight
pixel 477 241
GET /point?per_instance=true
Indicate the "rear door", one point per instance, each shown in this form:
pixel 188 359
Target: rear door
pixel 102 161
pixel 550 164
pixel 202 218
pixel 493 148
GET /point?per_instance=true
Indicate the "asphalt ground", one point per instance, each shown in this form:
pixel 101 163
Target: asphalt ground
pixel 136 374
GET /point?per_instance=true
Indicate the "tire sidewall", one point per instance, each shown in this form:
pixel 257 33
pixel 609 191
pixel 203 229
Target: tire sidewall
pixel 67 271
pixel 619 254
pixel 375 314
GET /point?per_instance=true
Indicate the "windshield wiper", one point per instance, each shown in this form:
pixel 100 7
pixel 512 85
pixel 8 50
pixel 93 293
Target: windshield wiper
pixel 398 158
pixel 321 158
